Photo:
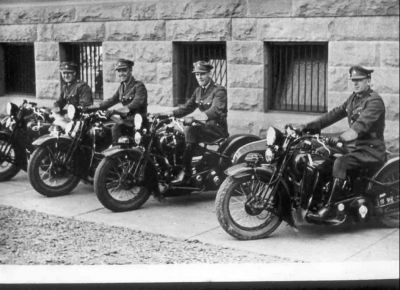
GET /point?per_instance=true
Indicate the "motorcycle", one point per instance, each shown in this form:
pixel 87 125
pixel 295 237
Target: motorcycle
pixel 128 175
pixel 62 159
pixel 295 179
pixel 18 130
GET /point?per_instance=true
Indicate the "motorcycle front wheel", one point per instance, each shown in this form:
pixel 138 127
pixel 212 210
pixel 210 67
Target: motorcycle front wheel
pixel 114 184
pixel 235 214
pixel 47 175
pixel 8 159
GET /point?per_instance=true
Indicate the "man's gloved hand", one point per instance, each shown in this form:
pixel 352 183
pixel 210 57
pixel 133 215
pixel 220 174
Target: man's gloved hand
pixel 109 113
pixel 188 121
pixel 297 127
pixel 349 135
pixel 333 141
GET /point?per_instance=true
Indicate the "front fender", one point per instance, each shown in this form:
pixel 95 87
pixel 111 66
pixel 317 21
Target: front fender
pixel 256 146
pixel 243 171
pixel 151 179
pixel 45 139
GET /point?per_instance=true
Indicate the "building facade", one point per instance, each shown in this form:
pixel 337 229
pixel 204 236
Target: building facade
pixel 281 60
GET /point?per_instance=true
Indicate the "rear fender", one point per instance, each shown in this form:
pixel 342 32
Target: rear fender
pixel 151 180
pixel 233 143
pixel 393 162
pixel 242 171
pixel 255 146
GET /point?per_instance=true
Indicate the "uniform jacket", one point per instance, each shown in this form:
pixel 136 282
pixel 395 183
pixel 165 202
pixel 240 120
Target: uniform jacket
pixel 212 102
pixel 77 93
pixel 365 114
pixel 134 97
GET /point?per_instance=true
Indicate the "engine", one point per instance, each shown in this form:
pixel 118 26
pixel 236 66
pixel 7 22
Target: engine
pixel 172 143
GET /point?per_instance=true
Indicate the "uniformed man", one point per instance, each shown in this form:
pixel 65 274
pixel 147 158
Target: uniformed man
pixel 131 93
pixel 365 112
pixel 211 101
pixel 73 91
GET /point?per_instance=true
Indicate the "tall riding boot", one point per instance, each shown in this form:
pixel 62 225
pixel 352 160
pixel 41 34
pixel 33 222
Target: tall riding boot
pixel 183 177
pixel 328 212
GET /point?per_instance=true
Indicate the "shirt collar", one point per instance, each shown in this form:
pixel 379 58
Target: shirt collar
pixel 207 85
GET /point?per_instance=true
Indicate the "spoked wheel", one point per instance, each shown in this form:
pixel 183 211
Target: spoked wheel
pixel 115 186
pixel 8 161
pixel 391 175
pixel 240 215
pixel 48 174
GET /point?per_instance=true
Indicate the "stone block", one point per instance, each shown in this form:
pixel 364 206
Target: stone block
pixel 21 15
pixel 153 51
pixel 199 30
pixel 103 12
pixel 159 95
pixel 109 89
pixel 386 80
pixel 293 29
pixel 392 106
pixel 47 51
pixel 343 8
pixel 114 50
pixel 47 70
pixel 70 32
pixel 270 8
pixel 389 53
pixel 335 99
pixel 240 52
pixel 135 30
pixel 18 33
pixel 145 72
pixel 365 28
pixel 244 29
pixel 144 10
pixel 245 76
pixel 59 14
pixel 217 9
pixel 246 99
pixel 109 74
pixel 47 89
pixel 164 74
pixel 174 9
pixel 348 53
pixel 338 79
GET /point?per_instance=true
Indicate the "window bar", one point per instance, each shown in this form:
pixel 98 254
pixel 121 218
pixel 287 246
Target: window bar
pixel 304 48
pixel 95 48
pixel 298 78
pixel 311 80
pixel 318 80
pixel 286 74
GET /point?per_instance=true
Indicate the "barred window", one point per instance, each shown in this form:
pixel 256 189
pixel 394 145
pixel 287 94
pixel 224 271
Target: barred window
pixel 297 77
pixel 88 56
pixel 185 54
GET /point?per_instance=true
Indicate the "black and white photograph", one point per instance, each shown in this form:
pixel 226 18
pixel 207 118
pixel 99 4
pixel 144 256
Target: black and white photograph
pixel 222 144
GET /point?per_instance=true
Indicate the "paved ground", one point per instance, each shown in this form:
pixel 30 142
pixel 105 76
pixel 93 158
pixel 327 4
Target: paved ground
pixel 193 217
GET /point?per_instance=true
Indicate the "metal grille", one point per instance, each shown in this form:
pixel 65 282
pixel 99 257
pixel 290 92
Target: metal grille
pixel 185 54
pixel 298 78
pixel 89 58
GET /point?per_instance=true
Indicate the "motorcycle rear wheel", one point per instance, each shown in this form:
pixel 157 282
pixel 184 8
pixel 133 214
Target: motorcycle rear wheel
pixel 391 174
pixel 111 192
pixel 232 215
pixel 8 169
pixel 42 177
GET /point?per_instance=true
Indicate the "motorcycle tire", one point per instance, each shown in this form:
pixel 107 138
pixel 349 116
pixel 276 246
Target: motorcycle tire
pixel 233 226
pixel 35 178
pixel 8 169
pixel 108 167
pixel 390 174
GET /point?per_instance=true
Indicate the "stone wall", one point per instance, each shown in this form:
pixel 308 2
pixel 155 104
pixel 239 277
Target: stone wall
pixel 357 31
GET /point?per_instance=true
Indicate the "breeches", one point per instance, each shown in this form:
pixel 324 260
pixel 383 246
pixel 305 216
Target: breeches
pixel 207 133
pixel 351 161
